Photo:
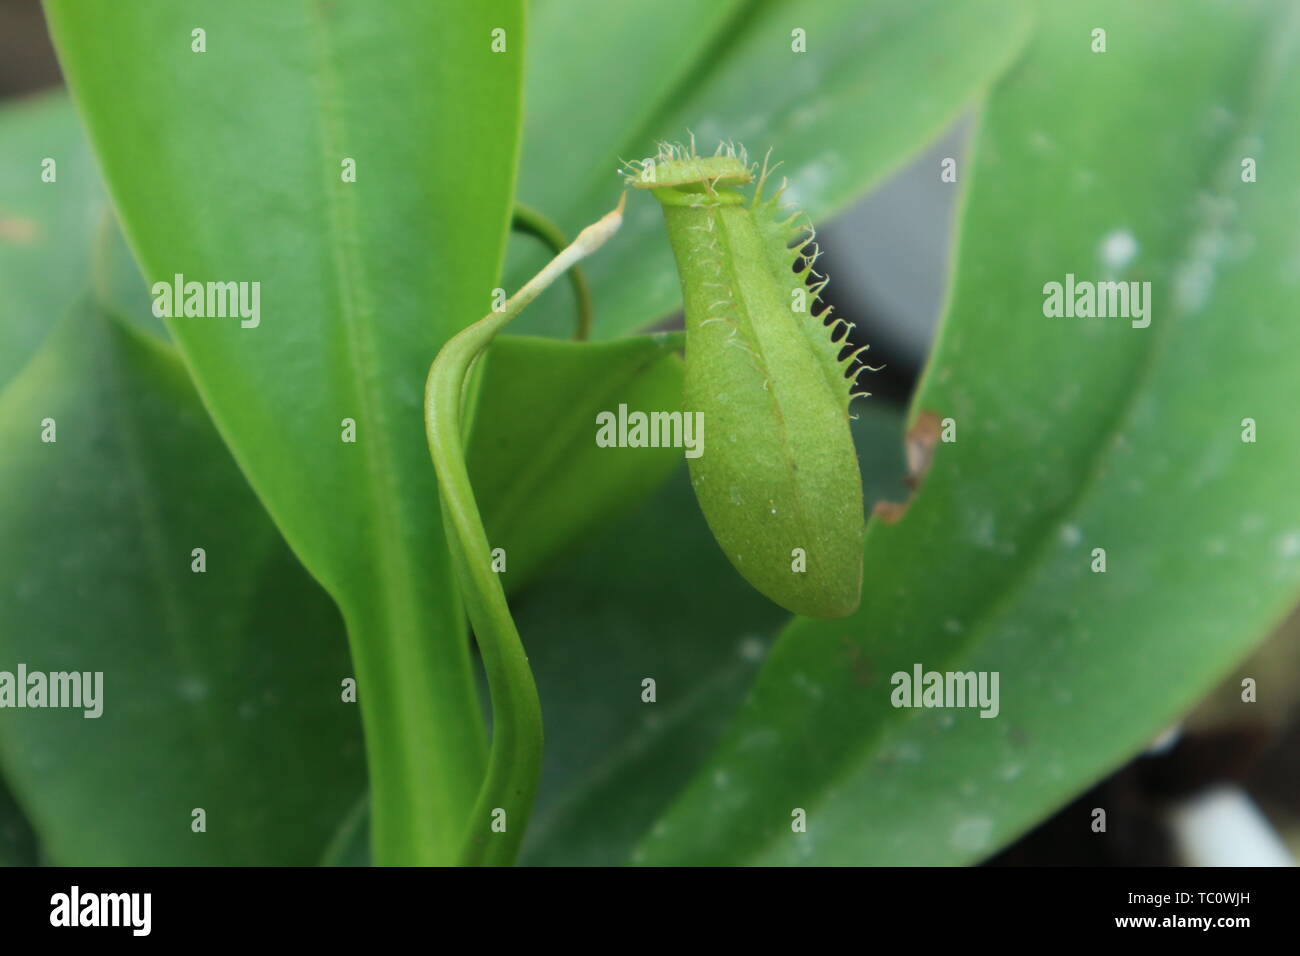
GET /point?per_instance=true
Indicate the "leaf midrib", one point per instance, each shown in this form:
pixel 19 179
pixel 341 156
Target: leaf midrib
pixel 356 315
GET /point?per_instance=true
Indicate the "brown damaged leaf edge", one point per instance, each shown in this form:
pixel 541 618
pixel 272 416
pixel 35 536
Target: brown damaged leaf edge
pixel 919 445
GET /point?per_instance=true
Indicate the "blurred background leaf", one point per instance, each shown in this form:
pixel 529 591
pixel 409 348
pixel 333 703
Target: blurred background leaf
pixel 44 227
pixel 58 239
pixel 17 840
pixel 541 482
pixel 221 690
pixel 1072 434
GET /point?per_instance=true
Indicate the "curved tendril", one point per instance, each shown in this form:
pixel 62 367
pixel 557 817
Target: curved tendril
pixel 515 759
pixel 531 222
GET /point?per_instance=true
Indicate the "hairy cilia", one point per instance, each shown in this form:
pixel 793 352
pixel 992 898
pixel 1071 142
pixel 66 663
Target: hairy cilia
pixel 778 481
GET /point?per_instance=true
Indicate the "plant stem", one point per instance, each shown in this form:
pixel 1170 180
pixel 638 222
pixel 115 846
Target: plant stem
pixel 515 759
pixel 529 220
pixel 415 672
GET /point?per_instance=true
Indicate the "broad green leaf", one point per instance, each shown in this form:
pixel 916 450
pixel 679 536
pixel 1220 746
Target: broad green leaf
pixel 879 80
pixel 222 689
pixel 656 598
pixel 541 482
pixel 44 226
pixel 229 166
pixel 1073 434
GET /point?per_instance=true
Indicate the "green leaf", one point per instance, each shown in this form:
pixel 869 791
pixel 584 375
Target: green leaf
pixel 656 598
pixel 17 840
pixel 1072 434
pixel 44 226
pixel 361 282
pixel 879 80
pixel 119 289
pixel 59 238
pixel 221 690
pixel 541 482
pixel 350 845
pixel 515 760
